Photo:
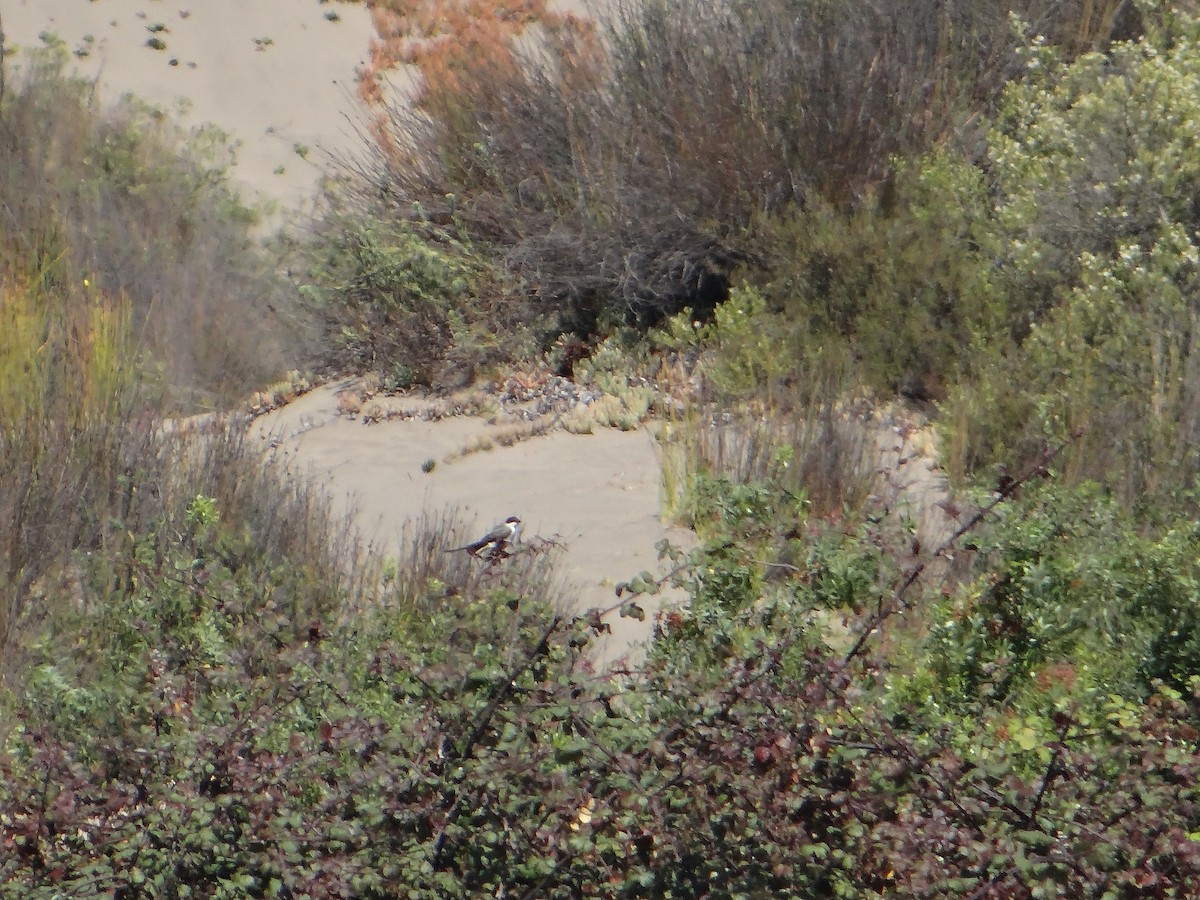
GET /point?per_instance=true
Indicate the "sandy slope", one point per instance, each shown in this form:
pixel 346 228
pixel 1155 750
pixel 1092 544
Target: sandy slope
pixel 277 75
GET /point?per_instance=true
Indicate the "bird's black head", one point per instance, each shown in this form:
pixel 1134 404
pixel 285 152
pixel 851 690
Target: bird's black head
pixel 512 520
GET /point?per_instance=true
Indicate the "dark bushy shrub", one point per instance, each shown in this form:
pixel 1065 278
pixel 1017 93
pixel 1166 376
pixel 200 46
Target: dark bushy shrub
pixel 210 739
pixel 622 173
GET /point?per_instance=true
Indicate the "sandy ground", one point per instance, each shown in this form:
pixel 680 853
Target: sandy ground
pixel 597 495
pixel 276 75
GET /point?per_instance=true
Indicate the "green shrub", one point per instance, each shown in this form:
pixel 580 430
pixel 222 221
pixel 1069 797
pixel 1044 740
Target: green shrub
pixel 452 742
pixel 1070 596
pixel 902 286
pixel 746 351
pixel 410 302
pixel 1094 171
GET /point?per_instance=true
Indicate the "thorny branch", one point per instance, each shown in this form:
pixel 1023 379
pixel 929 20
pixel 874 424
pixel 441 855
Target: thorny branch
pixel 1003 494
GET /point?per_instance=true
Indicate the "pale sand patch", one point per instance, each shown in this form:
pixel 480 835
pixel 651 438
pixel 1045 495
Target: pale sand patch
pixel 597 494
pixel 274 74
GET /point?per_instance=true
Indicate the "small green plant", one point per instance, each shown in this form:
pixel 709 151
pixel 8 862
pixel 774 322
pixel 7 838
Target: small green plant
pixel 202 512
pixel 747 346
pixel 399 378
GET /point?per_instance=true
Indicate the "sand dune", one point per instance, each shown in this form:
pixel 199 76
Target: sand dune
pixel 277 75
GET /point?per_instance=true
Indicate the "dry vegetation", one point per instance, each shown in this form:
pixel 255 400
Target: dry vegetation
pixel 618 172
pixel 122 202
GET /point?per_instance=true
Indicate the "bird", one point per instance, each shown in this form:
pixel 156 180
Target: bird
pixel 496 541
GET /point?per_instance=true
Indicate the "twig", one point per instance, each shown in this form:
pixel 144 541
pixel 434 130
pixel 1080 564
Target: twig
pixel 1051 771
pixel 481 724
pixel 3 81
pixel 1003 494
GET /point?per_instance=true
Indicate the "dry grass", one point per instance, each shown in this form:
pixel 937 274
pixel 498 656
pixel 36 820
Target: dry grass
pixel 88 472
pixel 129 284
pixel 827 452
pixel 86 495
pixel 126 203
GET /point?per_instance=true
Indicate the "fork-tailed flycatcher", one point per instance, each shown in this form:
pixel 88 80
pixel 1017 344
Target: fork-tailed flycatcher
pixel 495 541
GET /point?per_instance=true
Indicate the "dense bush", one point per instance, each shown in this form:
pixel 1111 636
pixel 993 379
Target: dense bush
pixel 904 284
pixel 624 174
pixel 212 735
pixel 1070 594
pixel 1094 175
pixel 453 742
pixel 413 303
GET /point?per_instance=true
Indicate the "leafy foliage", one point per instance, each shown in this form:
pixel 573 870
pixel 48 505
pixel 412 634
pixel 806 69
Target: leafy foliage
pixel 1093 170
pixel 905 283
pixel 1070 592
pixel 211 745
